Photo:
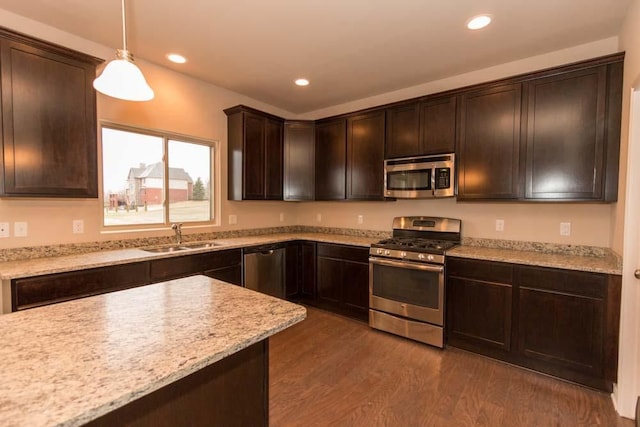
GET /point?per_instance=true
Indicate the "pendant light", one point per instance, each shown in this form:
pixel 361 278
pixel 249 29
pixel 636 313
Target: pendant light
pixel 121 78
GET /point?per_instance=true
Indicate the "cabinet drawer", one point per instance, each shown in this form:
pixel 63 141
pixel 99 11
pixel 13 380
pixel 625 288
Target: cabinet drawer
pixel 577 283
pixel 52 288
pixel 480 270
pixel 172 268
pixel 343 252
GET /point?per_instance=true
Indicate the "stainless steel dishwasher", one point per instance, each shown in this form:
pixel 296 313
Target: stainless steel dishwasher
pixel 264 269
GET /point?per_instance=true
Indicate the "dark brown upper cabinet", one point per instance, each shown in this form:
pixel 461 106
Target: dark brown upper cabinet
pixel 365 156
pixel 421 127
pixel 552 135
pixel 299 160
pixel 568 135
pixel 489 143
pixel 255 154
pixel 350 157
pixel 331 159
pixel 403 131
pixel 438 125
pixel 49 146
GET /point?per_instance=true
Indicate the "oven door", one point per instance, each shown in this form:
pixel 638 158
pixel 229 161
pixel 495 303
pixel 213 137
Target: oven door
pixel 408 289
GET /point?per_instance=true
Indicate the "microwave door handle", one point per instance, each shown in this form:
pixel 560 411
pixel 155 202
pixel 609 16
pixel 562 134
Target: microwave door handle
pixel 433 181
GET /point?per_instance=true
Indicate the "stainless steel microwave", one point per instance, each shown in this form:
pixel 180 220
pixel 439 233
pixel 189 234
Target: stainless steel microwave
pixel 420 177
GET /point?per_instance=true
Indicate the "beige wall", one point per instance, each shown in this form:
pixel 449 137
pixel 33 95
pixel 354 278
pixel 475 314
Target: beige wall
pixel 188 106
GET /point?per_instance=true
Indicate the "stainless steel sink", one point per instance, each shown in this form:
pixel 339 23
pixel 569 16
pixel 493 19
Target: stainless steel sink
pixel 165 249
pixel 181 247
pixel 199 245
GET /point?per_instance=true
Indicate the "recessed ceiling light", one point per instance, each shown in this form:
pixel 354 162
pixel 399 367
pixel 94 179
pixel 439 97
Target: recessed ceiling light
pixel 178 59
pixel 478 22
pixel 302 82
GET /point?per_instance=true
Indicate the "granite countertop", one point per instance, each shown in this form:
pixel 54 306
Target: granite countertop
pixel 69 363
pixel 608 264
pixel 582 258
pixel 47 265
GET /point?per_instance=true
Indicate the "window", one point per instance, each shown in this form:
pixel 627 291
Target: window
pixel 155 178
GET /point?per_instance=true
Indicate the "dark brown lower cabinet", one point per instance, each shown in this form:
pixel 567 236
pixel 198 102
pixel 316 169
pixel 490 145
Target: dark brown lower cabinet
pixel 223 265
pixel 342 279
pixel 232 392
pixel 292 270
pixel 52 288
pixel 561 322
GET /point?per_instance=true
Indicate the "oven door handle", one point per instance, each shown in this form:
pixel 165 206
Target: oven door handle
pixel 410 265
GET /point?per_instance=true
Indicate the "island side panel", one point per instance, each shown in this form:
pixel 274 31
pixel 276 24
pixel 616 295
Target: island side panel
pixel 5 297
pixel 232 391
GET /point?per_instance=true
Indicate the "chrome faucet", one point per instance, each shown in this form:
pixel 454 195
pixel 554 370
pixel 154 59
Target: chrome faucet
pixel 177 227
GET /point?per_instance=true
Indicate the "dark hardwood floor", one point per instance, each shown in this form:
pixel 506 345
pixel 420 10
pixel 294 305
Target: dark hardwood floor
pixel 331 370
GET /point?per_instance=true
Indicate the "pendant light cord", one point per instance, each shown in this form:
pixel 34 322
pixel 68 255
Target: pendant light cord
pixel 124 26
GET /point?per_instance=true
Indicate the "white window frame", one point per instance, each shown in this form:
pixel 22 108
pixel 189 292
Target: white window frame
pixel 215 197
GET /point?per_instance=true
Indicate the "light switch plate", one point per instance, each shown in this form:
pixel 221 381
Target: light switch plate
pixel 360 219
pixel 319 217
pixel 20 229
pixel 281 216
pixel 233 219
pixel 565 229
pixel 4 229
pixel 499 224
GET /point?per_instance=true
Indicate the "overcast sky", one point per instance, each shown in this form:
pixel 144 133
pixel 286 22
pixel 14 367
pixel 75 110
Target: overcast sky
pixel 123 150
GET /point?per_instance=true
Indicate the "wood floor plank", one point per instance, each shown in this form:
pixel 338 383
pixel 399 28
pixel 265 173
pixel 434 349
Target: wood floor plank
pixel 333 371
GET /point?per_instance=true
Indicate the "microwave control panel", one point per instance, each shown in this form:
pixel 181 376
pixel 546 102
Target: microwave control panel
pixel 443 178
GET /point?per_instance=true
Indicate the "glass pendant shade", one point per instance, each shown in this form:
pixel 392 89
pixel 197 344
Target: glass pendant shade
pixel 122 79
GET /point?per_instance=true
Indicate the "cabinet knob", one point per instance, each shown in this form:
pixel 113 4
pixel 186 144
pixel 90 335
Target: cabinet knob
pixel 637 273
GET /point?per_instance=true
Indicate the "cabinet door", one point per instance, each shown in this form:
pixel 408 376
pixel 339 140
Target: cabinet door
pixel 560 320
pixel 273 160
pixel 330 160
pixel 489 144
pixel 355 287
pixel 438 125
pixel 565 135
pixel 329 280
pixel 254 154
pixel 479 305
pixel 308 270
pixel 365 156
pixel 403 131
pixel 49 123
pixel 292 269
pixel 299 160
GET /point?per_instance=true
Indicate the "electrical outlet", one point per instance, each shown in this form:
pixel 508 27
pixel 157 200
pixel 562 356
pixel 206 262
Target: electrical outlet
pixel 565 229
pixel 319 217
pixel 4 229
pixel 78 226
pixel 233 219
pixel 499 224
pixel 281 216
pixel 20 229
pixel 360 219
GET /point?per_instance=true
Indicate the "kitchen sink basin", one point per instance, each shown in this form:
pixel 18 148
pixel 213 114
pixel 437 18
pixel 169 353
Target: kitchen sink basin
pixel 181 247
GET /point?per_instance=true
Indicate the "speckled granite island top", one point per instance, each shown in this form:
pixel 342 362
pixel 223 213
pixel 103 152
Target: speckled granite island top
pixel 66 364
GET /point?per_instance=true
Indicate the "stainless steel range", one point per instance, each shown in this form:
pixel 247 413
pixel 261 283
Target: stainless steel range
pixel 406 278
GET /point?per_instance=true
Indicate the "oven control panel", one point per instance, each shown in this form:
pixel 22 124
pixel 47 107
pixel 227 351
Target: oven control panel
pixel 408 255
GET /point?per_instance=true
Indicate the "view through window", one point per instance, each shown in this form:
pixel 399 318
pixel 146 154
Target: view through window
pixel 136 187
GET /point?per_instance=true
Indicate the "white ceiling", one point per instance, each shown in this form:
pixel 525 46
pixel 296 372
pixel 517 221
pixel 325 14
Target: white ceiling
pixel 349 49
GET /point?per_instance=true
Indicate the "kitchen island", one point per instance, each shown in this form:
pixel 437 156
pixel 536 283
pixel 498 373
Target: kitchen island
pixel 166 351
